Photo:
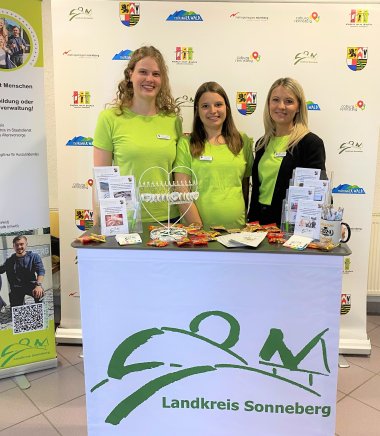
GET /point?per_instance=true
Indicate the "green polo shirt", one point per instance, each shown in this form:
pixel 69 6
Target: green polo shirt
pixel 269 167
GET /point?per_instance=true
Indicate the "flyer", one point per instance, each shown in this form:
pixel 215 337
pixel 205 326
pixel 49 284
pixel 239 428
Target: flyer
pixel 113 216
pixel 296 194
pixel 308 219
pixel 302 174
pixel 321 189
pixel 102 176
pixel 123 187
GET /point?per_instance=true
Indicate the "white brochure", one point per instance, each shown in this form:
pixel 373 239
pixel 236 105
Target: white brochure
pixel 298 242
pixel 295 195
pixel 128 239
pixel 252 239
pixel 102 176
pixel 321 189
pixel 308 219
pixel 123 187
pixel 300 175
pixel 113 216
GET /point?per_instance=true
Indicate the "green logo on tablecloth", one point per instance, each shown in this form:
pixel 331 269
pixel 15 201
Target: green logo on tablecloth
pixel 118 369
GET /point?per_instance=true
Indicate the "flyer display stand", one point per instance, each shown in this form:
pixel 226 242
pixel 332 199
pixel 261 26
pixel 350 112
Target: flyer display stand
pixel 210 341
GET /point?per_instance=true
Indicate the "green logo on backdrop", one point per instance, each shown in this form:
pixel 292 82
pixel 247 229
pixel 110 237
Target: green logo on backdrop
pixel 275 343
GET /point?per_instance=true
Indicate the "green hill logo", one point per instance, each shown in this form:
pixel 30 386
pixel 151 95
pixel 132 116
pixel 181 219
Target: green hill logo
pixel 118 366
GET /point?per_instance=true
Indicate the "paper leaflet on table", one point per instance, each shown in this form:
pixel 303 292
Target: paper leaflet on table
pixel 102 176
pixel 248 238
pixel 301 175
pixel 297 242
pixel 321 189
pixel 294 195
pixel 113 216
pixel 308 219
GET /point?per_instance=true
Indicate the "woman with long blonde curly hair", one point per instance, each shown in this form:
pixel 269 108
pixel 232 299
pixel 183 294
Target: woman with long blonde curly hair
pixel 141 128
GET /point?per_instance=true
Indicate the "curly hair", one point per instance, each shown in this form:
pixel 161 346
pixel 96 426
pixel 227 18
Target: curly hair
pixel 164 101
pixel 230 133
pixel 300 120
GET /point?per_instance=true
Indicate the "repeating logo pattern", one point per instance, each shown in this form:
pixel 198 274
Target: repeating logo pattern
pixel 359 105
pixel 80 141
pixel 359 17
pixel 123 55
pixel 251 58
pixel 184 56
pixel 129 13
pixel 351 147
pixel 81 99
pixel 80 13
pixel 305 57
pixel 246 102
pixel 184 16
pixel 357 58
pixel 348 189
pixel 345 305
pixel 311 106
pixel 83 219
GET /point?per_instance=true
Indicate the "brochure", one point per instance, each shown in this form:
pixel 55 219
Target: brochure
pixel 102 176
pixel 300 175
pixel 252 239
pixel 228 242
pixel 123 187
pixel 113 216
pixel 128 239
pixel 296 194
pixel 321 189
pixel 298 242
pixel 308 219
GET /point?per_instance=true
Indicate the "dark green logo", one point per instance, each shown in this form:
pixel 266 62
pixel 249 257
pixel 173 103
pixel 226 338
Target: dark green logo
pixel 118 369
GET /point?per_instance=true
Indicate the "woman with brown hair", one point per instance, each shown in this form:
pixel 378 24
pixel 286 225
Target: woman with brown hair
pixel 219 157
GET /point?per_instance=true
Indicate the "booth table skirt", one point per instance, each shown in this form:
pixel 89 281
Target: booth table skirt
pixel 209 343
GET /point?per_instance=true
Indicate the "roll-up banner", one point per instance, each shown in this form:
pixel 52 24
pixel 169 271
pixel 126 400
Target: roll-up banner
pixel 27 339
pixel 331 49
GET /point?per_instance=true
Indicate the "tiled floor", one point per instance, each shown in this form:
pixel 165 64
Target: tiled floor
pixel 55 403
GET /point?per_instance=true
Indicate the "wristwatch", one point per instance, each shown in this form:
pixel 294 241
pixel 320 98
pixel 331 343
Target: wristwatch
pixel 38 284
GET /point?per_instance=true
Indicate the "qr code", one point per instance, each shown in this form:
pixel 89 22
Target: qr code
pixel 28 318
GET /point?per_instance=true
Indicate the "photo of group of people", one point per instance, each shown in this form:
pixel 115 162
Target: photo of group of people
pixel 14 44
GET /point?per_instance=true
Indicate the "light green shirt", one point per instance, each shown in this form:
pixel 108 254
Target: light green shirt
pixel 269 167
pixel 140 142
pixel 220 174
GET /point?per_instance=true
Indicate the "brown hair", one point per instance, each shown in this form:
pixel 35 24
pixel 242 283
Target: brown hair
pixel 230 133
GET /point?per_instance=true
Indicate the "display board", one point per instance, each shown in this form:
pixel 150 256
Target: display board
pixel 26 324
pixel 210 351
pixel 331 49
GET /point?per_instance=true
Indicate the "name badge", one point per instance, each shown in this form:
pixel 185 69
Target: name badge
pixel 280 154
pixel 207 158
pixel 163 136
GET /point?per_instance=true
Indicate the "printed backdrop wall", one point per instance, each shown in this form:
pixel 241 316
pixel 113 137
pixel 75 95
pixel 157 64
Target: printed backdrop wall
pixel 332 49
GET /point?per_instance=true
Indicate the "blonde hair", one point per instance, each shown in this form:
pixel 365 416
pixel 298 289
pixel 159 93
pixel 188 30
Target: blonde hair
pixel 300 120
pixel 230 133
pixel 4 31
pixel 164 101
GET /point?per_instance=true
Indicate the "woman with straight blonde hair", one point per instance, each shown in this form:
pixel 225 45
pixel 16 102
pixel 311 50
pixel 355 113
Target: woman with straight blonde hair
pixel 287 143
